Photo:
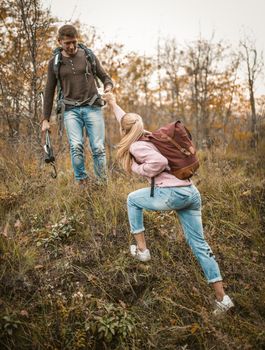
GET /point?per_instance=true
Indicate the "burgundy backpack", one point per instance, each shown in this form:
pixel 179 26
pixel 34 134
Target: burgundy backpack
pixel 175 143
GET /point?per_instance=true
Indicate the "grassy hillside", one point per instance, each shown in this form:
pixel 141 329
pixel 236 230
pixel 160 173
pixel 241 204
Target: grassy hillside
pixel 68 282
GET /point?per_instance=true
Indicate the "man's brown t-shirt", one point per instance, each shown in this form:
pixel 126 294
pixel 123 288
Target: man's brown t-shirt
pixel 77 85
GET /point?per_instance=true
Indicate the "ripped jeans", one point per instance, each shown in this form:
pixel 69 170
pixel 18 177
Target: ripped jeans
pixel 91 118
pixel 187 203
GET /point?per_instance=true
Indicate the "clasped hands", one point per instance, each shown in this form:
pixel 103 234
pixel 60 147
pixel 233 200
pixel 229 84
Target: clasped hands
pixel 109 98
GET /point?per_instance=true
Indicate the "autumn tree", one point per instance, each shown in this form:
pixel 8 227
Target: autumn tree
pixel 26 31
pixel 135 86
pixel 111 56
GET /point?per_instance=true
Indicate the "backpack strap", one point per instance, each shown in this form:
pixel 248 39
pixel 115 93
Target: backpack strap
pixel 57 53
pixel 152 186
pixel 91 58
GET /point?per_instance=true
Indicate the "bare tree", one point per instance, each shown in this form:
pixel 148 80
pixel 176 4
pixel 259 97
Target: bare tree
pixel 254 64
pixel 173 79
pixel 158 67
pixel 203 65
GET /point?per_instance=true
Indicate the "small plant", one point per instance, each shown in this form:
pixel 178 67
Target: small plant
pixel 115 323
pixel 60 232
pixel 9 324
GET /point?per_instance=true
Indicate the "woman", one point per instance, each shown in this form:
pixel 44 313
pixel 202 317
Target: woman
pixel 170 193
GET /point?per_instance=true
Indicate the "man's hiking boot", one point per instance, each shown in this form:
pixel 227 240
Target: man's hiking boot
pixel 91 184
pixel 221 307
pixel 83 183
pixel 139 255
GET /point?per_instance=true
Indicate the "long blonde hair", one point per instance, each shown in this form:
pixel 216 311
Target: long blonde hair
pixel 131 128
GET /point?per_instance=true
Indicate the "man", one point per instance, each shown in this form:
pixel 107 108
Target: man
pixel 80 102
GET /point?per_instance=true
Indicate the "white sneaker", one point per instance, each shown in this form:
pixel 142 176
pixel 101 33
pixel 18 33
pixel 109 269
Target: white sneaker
pixel 223 306
pixel 139 255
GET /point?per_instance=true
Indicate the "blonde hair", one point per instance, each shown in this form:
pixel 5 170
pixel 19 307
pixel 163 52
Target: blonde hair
pixel 131 128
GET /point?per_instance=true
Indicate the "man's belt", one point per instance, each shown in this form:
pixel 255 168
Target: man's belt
pixel 88 101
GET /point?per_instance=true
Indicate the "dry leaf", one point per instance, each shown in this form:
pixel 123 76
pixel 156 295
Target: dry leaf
pixel 18 224
pixel 37 267
pixel 24 313
pixel 5 230
pixel 173 322
pixel 122 304
pixel 195 327
pixel 64 220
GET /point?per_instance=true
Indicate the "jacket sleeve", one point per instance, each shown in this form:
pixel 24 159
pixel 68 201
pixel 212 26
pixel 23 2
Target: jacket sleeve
pixel 49 91
pixel 103 76
pixel 148 162
pixel 118 112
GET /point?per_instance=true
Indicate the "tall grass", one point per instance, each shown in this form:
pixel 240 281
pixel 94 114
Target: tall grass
pixel 68 282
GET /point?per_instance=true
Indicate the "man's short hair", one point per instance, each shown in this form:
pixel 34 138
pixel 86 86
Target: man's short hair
pixel 67 30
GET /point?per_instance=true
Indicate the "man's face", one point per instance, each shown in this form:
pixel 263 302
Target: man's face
pixel 69 45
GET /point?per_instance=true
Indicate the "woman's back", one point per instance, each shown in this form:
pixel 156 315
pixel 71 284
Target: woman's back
pixel 149 162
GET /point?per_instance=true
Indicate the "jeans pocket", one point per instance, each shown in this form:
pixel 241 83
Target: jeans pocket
pixel 178 198
pixel 196 201
pixel 96 108
pixel 69 115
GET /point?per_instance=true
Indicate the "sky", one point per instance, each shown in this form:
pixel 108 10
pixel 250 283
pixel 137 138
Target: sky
pixel 138 23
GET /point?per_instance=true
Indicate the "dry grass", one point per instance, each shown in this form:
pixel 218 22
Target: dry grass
pixel 68 282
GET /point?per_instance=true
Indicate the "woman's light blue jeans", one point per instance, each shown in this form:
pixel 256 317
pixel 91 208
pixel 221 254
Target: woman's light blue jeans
pixel 91 118
pixel 187 203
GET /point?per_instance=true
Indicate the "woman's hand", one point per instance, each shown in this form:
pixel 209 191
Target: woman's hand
pixel 116 110
pixel 109 98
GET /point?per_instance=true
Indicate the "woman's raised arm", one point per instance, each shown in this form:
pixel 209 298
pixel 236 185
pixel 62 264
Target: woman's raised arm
pixel 117 110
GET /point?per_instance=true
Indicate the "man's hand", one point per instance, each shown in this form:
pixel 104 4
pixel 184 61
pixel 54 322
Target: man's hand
pixel 45 125
pixel 107 89
pixel 109 98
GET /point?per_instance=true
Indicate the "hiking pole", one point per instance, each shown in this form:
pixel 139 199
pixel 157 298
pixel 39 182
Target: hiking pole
pixel 49 156
pixel 48 151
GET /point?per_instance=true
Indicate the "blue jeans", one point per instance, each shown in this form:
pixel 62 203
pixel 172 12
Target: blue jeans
pixel 90 118
pixel 187 203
